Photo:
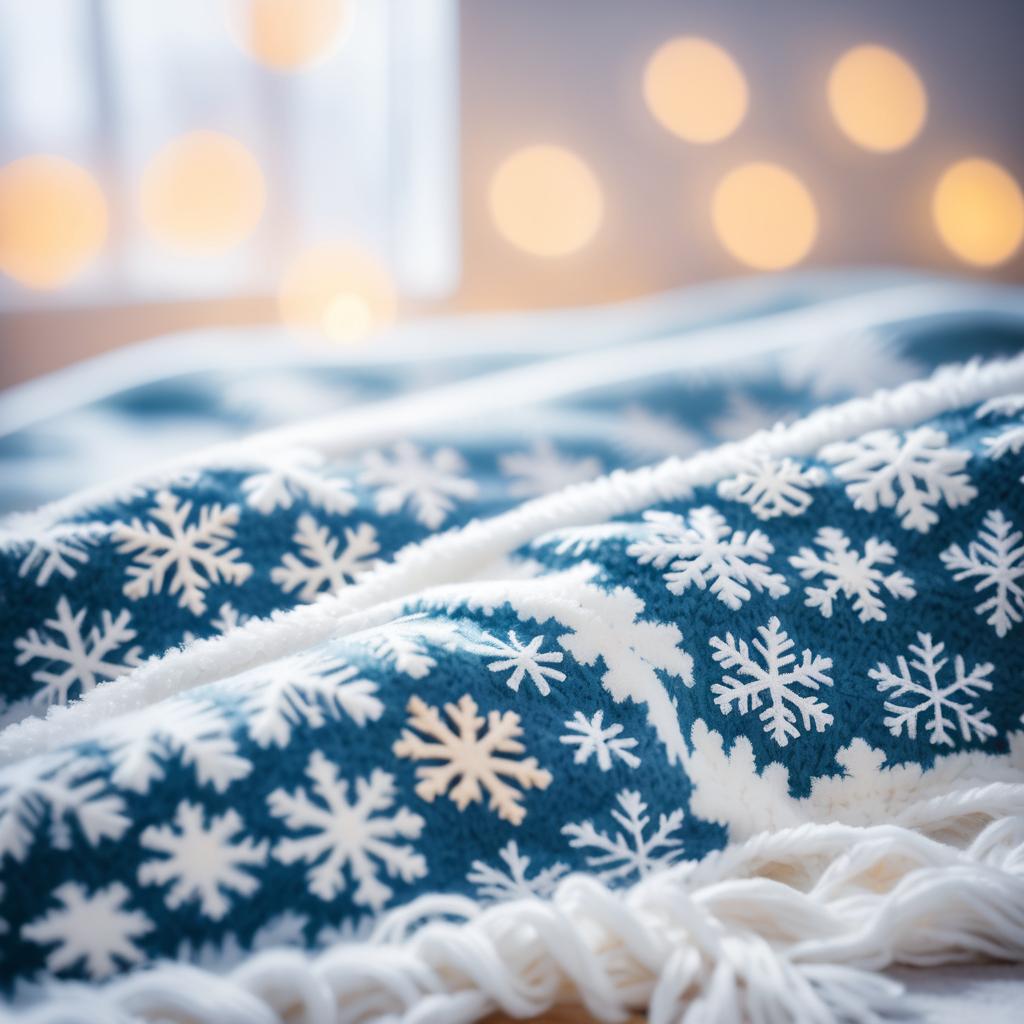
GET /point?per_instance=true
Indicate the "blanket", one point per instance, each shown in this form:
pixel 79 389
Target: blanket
pixel 676 673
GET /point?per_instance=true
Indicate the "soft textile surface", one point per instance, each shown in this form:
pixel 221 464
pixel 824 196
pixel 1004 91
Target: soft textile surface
pixel 709 733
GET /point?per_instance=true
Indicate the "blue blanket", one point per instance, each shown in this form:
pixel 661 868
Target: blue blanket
pixel 640 674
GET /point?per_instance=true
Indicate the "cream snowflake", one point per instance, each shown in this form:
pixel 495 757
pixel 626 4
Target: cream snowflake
pixel 469 754
pixel 95 930
pixel 513 882
pixel 946 707
pixel 322 567
pixel 196 555
pixel 86 657
pixel 521 660
pixel 911 474
pixel 202 863
pixel 776 678
pixel 429 485
pixel 706 550
pixel 630 852
pixel 996 561
pixel 856 576
pixel 337 832
pixel 772 486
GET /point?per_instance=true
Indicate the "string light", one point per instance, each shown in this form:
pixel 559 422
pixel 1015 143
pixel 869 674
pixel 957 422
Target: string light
pixel 979 212
pixel 336 290
pixel 53 220
pixel 203 192
pixel 877 98
pixel 546 201
pixel 695 89
pixel 764 216
pixel 288 35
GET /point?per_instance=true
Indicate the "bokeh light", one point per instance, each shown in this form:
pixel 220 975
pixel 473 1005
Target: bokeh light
pixel 53 220
pixel 764 216
pixel 695 89
pixel 546 201
pixel 337 290
pixel 979 212
pixel 288 35
pixel 203 192
pixel 877 98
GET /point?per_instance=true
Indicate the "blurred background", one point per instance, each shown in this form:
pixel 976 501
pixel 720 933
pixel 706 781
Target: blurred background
pixel 338 166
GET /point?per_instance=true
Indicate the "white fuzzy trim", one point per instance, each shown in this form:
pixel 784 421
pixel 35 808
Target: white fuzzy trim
pixel 787 926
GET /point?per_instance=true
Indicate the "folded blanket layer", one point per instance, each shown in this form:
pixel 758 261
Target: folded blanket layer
pixel 718 729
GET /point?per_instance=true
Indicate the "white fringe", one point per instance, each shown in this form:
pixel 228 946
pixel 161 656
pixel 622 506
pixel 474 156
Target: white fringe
pixel 788 926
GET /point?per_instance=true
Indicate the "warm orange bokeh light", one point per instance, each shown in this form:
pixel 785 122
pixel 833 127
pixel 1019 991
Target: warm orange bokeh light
pixel 695 89
pixel 764 216
pixel 877 98
pixel 288 35
pixel 546 201
pixel 337 290
pixel 979 212
pixel 53 220
pixel 203 192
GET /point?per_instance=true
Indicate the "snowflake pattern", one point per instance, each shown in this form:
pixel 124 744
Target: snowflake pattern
pixel 296 474
pixel 307 688
pixel 774 676
pixel 630 852
pixel 196 555
pixel 429 485
pixel 513 882
pixel 545 469
pixel 996 561
pixel 707 550
pixel 58 549
pixel 402 643
pixel 469 757
pixel 946 708
pixel 322 566
pixel 592 738
pixel 96 931
pixel 202 863
pixel 772 486
pixel 1010 440
pixel 87 657
pixel 911 474
pixel 359 834
pixel 521 660
pixel 859 577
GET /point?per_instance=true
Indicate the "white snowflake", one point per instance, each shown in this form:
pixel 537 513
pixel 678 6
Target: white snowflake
pixel 707 550
pixel 470 754
pixel 1010 440
pixel 202 863
pixel 513 883
pixel 54 550
pixel 996 561
pixel 592 738
pixel 227 619
pixel 545 469
pixel 909 698
pixel 196 555
pixel 629 853
pixel 195 730
pixel 429 485
pixel 645 435
pixel 96 931
pixel 584 540
pixel 74 790
pixel 911 475
pixel 356 834
pixel 521 660
pixel 856 576
pixel 402 643
pixel 322 567
pixel 308 688
pixel 72 656
pixel 776 678
pixel 290 475
pixel 772 486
